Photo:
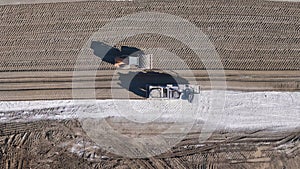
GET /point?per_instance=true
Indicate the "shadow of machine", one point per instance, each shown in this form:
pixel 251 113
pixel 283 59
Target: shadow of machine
pixel 109 53
pixel 138 82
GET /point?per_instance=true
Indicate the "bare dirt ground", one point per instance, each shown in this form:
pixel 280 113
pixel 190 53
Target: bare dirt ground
pixel 63 144
pixel 248 35
pixel 258 43
pixel 50 85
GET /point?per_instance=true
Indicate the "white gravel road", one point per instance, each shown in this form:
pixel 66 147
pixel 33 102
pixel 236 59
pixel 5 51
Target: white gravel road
pixel 242 110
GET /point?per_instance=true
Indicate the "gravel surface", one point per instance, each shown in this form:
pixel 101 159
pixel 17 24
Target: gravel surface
pixel 242 110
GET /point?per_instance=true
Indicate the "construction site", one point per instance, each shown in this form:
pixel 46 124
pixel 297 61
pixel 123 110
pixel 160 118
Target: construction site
pixel 150 84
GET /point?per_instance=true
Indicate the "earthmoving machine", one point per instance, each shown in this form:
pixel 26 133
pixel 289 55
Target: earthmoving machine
pixel 168 91
pixel 141 61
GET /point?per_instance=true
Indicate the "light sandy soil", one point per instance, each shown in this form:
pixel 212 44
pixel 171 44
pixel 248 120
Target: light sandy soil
pixel 242 110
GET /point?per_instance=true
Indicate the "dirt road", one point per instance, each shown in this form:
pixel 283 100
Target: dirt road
pixel 58 85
